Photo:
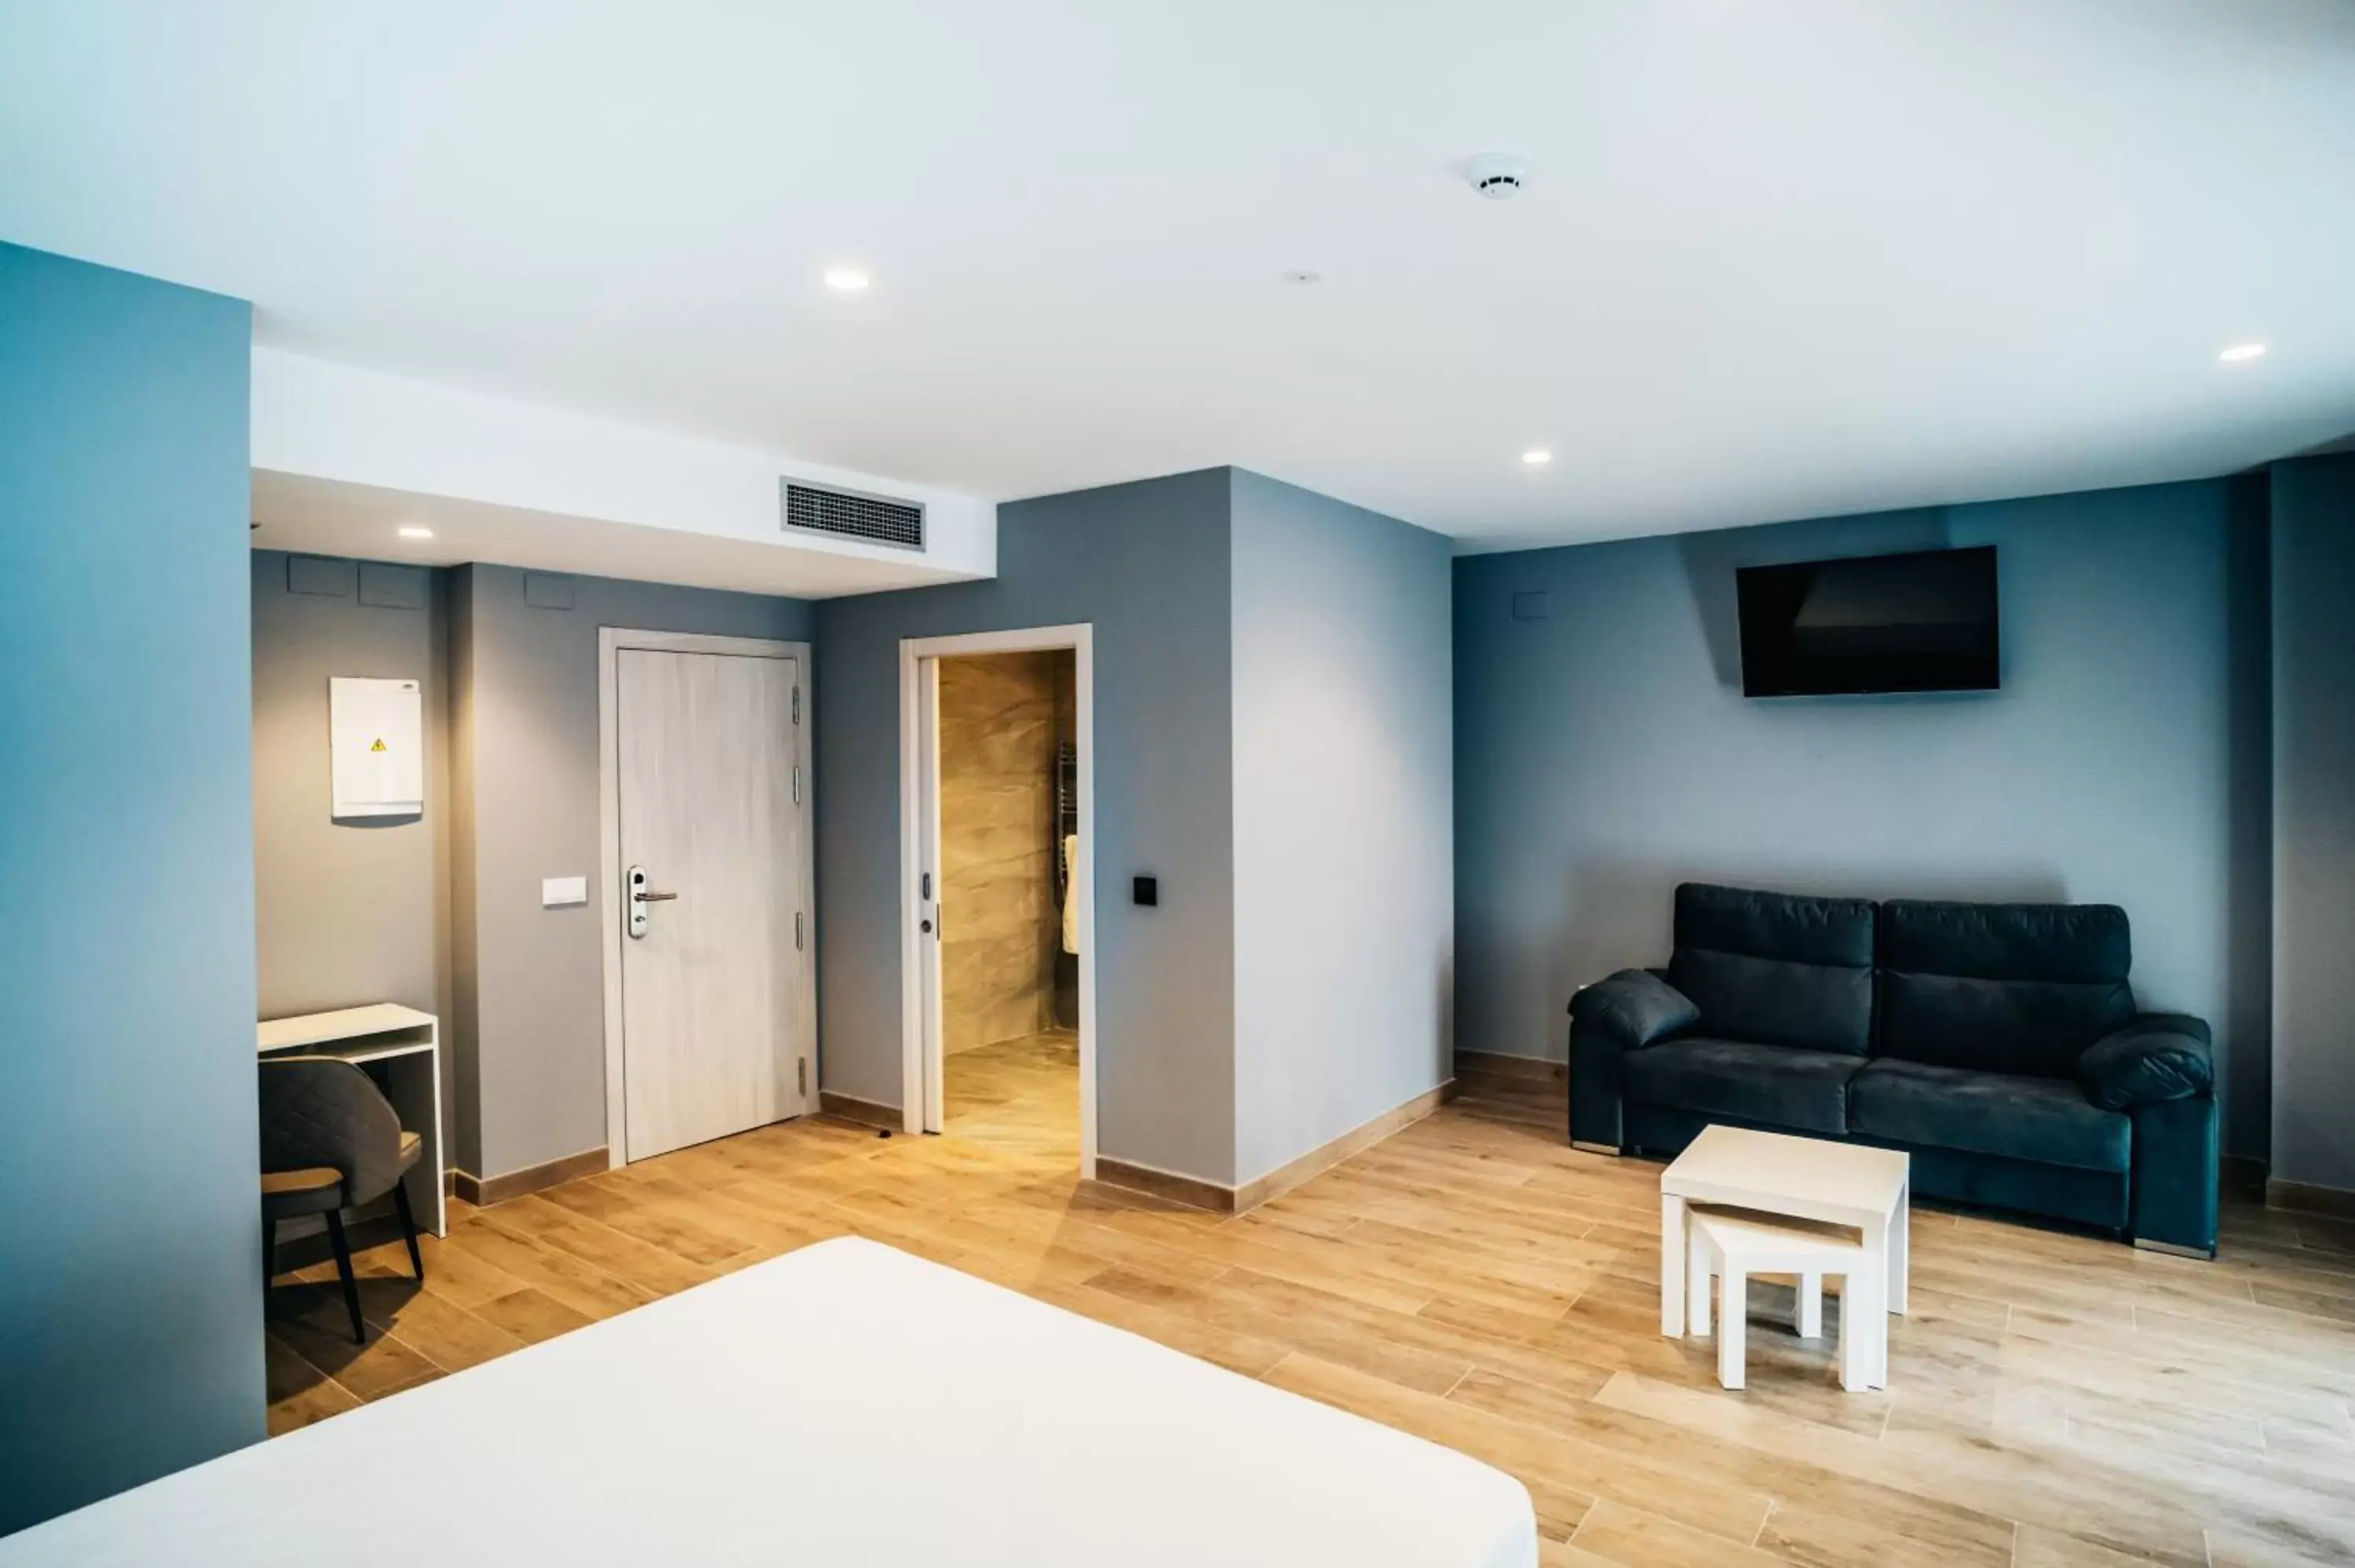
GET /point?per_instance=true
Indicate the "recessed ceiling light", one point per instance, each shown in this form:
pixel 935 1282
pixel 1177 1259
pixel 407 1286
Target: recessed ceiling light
pixel 846 279
pixel 2239 352
pixel 1536 457
pixel 411 531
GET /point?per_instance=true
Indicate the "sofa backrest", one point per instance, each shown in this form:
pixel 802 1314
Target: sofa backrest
pixel 2002 988
pixel 1776 968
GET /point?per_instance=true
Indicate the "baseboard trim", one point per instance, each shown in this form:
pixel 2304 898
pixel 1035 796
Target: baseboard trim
pixel 1190 1191
pixel 1219 1199
pixel 1318 1160
pixel 483 1191
pixel 1585 1148
pixel 2241 1178
pixel 2309 1198
pixel 1520 1069
pixel 866 1113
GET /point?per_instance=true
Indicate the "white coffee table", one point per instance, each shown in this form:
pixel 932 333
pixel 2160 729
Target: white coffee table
pixel 1805 1177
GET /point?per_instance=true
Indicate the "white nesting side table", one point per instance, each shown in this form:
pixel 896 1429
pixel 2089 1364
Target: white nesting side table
pixel 1805 1177
pixel 401 1049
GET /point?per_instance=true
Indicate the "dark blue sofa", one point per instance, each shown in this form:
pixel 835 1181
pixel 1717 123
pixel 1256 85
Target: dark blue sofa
pixel 1997 1044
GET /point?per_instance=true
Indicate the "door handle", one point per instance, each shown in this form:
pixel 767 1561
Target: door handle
pixel 640 897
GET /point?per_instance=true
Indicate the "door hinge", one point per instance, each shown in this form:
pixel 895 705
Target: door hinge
pixel 797 704
pixel 797 783
pixel 797 930
pixel 801 1076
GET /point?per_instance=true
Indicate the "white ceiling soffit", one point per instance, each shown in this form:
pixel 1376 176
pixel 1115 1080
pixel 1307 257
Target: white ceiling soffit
pixel 497 481
pixel 333 518
pixel 1774 258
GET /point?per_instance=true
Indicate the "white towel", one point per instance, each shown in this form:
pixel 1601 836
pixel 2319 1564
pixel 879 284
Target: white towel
pixel 1071 893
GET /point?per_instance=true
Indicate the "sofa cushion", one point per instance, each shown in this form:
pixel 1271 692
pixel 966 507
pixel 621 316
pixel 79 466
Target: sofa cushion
pixel 2045 1119
pixel 1771 1084
pixel 2021 989
pixel 1775 968
pixel 1636 1006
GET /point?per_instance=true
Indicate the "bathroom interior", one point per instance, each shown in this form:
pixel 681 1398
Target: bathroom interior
pixel 1009 970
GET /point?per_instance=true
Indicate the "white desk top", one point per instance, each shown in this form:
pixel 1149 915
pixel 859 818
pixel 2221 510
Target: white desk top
pixel 345 1023
pixel 846 1405
pixel 1810 1177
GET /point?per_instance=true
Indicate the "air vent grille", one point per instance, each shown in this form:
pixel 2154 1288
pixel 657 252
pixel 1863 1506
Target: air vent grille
pixel 847 514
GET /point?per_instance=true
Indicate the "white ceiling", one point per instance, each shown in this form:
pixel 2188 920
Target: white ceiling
pixel 1777 257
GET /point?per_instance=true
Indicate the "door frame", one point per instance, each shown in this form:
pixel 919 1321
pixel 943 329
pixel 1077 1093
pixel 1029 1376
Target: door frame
pixel 919 975
pixel 611 640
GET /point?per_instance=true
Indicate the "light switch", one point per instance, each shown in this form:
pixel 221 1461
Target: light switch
pixel 555 892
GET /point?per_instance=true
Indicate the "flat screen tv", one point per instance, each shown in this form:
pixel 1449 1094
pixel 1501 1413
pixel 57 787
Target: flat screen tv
pixel 1918 622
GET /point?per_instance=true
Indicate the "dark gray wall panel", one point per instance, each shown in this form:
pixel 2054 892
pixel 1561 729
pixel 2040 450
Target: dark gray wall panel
pixel 2314 821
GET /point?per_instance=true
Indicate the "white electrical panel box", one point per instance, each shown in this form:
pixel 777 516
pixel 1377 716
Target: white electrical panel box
pixel 376 736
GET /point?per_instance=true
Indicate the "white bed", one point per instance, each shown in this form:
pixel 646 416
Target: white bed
pixel 845 1403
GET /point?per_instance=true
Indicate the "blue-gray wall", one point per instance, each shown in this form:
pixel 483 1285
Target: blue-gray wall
pixel 2314 821
pixel 1605 753
pixel 1344 828
pixel 129 1229
pixel 1148 566
pixel 350 912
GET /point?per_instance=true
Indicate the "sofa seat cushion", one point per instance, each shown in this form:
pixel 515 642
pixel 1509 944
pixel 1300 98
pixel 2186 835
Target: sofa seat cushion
pixel 1771 1084
pixel 2044 1119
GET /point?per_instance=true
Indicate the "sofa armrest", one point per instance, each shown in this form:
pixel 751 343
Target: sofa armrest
pixel 1626 1013
pixel 1635 1006
pixel 2158 1057
pixel 2175 1175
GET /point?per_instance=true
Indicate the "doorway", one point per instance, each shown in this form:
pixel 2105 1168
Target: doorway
pixel 997 797
pixel 708 1015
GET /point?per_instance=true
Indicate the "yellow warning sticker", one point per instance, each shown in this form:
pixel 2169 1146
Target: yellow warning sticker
pixel 380 745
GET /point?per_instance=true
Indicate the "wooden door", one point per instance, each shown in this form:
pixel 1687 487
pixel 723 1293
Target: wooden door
pixel 716 1026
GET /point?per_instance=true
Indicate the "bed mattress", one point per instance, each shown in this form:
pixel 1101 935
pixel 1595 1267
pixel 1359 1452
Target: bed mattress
pixel 845 1403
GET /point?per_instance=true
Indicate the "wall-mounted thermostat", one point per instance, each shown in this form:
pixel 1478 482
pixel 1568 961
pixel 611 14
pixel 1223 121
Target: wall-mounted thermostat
pixel 376 738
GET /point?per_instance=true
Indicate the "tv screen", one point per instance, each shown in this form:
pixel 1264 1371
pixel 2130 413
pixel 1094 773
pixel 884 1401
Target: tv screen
pixel 1918 622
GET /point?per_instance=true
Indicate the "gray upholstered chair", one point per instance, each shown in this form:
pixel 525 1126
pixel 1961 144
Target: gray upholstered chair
pixel 330 1141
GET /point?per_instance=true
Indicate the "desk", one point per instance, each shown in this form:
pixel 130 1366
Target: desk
pixel 401 1048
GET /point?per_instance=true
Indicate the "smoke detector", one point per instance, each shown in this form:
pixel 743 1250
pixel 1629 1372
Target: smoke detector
pixel 1496 175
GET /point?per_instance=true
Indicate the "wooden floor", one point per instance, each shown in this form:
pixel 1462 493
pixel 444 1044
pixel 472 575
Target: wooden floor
pixel 2054 1401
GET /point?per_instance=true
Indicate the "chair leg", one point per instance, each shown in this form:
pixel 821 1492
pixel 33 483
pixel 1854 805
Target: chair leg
pixel 343 1269
pixel 409 1228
